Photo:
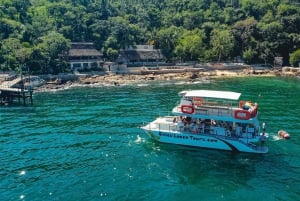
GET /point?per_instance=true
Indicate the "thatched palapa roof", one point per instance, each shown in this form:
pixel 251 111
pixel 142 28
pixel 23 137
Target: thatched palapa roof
pixel 142 54
pixel 83 50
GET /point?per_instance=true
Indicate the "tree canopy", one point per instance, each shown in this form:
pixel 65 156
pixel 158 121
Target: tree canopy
pixel 37 33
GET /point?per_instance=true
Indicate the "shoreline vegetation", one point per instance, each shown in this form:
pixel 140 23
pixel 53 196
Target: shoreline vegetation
pixel 144 76
pixel 40 34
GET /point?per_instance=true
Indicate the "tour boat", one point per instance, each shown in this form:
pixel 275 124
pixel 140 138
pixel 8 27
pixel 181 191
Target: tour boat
pixel 214 120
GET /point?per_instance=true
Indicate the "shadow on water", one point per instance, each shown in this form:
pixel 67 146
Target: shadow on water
pixel 212 171
pixel 193 165
pixel 192 161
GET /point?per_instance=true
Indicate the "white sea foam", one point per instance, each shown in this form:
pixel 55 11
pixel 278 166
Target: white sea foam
pixel 138 139
pixel 143 85
pixel 276 138
pixel 23 172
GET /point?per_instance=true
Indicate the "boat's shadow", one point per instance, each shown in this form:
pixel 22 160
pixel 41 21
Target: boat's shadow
pixel 195 165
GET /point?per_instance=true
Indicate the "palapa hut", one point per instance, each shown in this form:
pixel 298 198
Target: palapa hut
pixel 141 55
pixel 84 56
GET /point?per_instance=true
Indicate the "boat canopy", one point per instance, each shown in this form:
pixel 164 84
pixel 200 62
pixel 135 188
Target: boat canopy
pixel 212 94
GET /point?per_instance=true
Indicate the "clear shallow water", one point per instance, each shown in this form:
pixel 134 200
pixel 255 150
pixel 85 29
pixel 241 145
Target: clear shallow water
pixel 85 144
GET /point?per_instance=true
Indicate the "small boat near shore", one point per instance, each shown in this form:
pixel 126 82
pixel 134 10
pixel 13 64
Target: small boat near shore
pixel 211 119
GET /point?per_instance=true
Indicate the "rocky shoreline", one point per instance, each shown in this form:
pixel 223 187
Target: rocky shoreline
pixel 118 79
pixel 144 76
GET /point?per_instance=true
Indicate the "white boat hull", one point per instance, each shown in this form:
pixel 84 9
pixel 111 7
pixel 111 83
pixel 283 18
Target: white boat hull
pixel 205 141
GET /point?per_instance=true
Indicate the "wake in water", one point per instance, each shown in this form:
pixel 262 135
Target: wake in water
pixel 276 138
pixel 138 139
pixel 282 135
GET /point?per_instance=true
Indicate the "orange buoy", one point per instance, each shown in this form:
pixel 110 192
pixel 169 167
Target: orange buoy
pixel 284 134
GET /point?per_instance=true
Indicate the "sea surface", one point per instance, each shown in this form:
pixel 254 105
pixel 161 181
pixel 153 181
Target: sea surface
pixel 84 143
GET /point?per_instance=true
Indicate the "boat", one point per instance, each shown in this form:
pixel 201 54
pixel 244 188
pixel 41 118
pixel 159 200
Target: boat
pixel 32 82
pixel 28 82
pixel 211 119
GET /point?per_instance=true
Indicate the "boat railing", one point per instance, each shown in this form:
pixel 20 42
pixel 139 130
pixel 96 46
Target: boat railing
pixel 196 130
pixel 211 110
pixel 175 128
pixel 170 125
pixel 220 111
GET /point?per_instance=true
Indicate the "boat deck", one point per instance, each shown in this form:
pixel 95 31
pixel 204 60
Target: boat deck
pixel 214 111
pixel 171 124
pixel 217 116
pixel 166 125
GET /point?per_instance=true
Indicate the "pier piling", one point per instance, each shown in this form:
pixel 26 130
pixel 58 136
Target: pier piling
pixel 9 94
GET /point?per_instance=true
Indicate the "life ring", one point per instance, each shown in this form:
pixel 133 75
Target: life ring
pixel 188 109
pixel 242 114
pixel 198 101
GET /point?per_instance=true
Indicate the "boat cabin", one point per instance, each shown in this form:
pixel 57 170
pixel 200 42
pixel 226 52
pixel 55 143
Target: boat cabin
pixel 211 119
pixel 218 112
pixel 219 104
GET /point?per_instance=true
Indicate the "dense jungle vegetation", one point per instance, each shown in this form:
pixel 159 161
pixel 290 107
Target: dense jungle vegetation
pixel 37 33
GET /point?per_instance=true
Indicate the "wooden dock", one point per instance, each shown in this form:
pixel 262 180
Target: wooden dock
pixel 13 90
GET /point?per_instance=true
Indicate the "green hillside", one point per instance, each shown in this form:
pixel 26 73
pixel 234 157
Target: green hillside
pixel 37 33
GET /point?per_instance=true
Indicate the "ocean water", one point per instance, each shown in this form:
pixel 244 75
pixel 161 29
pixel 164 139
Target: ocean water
pixel 84 143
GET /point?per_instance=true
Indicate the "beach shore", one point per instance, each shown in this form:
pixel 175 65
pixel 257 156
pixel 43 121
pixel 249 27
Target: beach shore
pixel 64 81
pixel 118 79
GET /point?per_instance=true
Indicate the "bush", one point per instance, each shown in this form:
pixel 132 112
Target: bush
pixel 295 58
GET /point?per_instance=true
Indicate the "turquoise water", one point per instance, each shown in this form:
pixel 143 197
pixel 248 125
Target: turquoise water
pixel 85 144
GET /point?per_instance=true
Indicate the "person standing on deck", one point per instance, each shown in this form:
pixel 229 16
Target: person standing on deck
pixel 264 127
pixel 202 127
pixel 262 139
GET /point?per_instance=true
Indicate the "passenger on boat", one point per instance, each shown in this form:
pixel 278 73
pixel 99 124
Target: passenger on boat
pixel 264 127
pixel 238 130
pixel 188 119
pixel 186 127
pixel 184 120
pixel 185 123
pixel 247 106
pixel 174 120
pixel 262 139
pixel 202 127
pixel 180 125
pixel 194 128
